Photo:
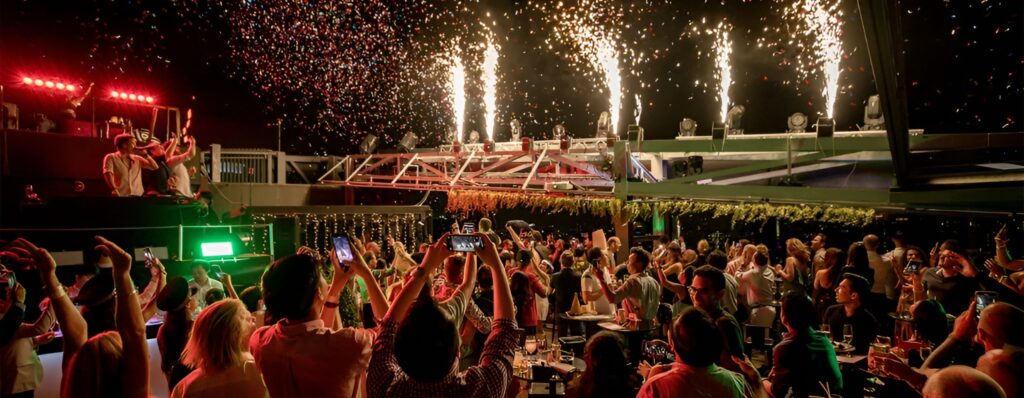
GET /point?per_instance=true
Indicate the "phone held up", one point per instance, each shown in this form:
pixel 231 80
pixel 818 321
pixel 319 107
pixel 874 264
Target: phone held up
pixel 148 254
pixel 343 249
pixel 982 299
pixel 464 243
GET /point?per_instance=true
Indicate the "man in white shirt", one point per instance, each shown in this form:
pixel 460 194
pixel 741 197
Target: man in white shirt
pixel 757 285
pixel 640 294
pixel 202 283
pixel 591 287
pixel 122 170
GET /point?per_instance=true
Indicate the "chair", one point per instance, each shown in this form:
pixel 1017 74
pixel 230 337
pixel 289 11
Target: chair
pixel 759 338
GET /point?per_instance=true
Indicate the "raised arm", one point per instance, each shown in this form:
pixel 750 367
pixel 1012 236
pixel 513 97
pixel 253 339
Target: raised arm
pixel 504 308
pixel 130 324
pixel 515 237
pixel 676 288
pixel 157 281
pixel 72 325
pixel 341 277
pixel 173 160
pixel 418 276
pixel 378 302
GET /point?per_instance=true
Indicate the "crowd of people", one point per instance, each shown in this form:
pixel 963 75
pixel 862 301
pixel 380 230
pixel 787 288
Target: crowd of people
pixel 159 170
pixel 433 322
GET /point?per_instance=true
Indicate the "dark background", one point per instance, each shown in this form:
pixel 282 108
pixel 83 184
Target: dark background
pixel 334 72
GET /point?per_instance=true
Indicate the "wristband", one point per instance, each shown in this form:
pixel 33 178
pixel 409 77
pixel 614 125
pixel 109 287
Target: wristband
pixel 331 304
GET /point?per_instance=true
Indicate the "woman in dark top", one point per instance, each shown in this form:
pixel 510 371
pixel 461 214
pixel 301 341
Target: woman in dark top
pixel 608 373
pixel 805 359
pixel 826 280
pixel 857 261
pixel 522 296
pixel 176 299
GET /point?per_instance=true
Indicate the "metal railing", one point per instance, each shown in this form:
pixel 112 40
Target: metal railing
pixel 261 166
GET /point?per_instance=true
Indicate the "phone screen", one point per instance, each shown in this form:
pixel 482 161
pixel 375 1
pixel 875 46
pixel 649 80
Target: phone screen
pixel 983 299
pixel 148 254
pixel 912 267
pixel 468 227
pixel 342 248
pixel 464 243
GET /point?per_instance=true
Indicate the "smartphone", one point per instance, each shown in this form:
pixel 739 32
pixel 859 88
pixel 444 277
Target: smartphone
pixel 464 243
pixel 468 228
pixel 342 248
pixel 216 272
pixel 912 267
pixel 148 254
pixel 982 299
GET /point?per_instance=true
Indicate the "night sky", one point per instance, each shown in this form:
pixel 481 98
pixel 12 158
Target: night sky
pixel 334 71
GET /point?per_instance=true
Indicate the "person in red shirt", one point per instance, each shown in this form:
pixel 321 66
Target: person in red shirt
pixel 527 287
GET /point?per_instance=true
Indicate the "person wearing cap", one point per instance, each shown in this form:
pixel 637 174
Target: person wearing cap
pixel 201 282
pixel 179 304
pixel 122 169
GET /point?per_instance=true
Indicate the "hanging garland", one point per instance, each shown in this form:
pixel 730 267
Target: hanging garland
pixel 467 202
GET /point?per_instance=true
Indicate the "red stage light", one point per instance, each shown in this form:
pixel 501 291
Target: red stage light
pixel 149 100
pixel 60 86
pixel 70 87
pixel 114 94
pixel 124 95
pixel 26 80
pixel 49 84
pixel 131 97
pixel 38 82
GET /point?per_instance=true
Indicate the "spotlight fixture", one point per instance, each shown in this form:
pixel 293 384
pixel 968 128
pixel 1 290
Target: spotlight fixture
pixel 825 127
pixel 604 125
pixel 687 128
pixel 797 123
pixel 369 144
pixel 558 132
pixel 408 142
pixel 134 98
pixel 517 130
pixel 873 117
pixel 474 137
pixel 695 165
pixel 733 118
pixel 52 84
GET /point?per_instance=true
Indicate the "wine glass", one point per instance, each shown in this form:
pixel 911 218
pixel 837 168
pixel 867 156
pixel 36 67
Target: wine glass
pixel 848 334
pixel 826 329
pixel 531 346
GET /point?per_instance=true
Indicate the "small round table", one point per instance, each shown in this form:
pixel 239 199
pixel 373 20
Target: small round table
pixel 589 322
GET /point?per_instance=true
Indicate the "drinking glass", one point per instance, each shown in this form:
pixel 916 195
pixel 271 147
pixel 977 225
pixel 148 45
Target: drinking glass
pixel 848 333
pixel 531 346
pixel 826 329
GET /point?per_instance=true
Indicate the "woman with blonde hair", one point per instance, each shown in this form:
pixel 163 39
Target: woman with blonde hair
pixel 217 351
pixel 796 273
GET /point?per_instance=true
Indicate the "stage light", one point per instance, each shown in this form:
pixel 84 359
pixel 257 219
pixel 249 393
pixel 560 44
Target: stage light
pixel 604 125
pixel 217 249
pixel 558 132
pixel 26 80
pixel 474 137
pixel 131 97
pixel 517 130
pixel 687 127
pixel 49 84
pixel 150 100
pixel 873 117
pixel 38 82
pixel 60 86
pixel 369 144
pixel 114 94
pixel 797 123
pixel 695 165
pixel 70 87
pixel 408 142
pixel 733 118
pixel 825 127
pixel 123 95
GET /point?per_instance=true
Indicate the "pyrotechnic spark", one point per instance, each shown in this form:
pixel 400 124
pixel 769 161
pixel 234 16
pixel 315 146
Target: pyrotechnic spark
pixel 723 72
pixel 608 61
pixel 489 77
pixel 457 94
pixel 821 19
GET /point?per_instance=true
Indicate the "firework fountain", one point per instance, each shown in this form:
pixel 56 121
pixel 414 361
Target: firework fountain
pixel 723 71
pixel 822 20
pixel 457 94
pixel 489 78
